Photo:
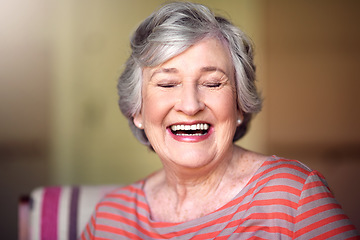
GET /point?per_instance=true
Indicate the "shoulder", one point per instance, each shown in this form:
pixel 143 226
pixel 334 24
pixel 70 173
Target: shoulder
pixel 277 165
pixel 131 190
pixel 127 196
pixel 286 172
pixel 287 182
pixel 123 204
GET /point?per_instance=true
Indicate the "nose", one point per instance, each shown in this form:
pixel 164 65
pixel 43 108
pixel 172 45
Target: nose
pixel 189 100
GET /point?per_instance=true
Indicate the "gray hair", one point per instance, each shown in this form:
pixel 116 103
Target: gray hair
pixel 168 32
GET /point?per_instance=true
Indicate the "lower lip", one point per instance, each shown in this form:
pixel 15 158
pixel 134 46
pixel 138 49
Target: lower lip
pixel 190 138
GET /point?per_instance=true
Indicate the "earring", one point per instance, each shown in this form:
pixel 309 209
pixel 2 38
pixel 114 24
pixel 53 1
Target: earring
pixel 140 125
pixel 238 121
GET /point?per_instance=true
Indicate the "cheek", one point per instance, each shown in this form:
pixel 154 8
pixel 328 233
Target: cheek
pixel 225 105
pixel 154 106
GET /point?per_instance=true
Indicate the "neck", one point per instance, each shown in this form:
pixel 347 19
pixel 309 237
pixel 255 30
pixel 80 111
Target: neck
pixel 205 180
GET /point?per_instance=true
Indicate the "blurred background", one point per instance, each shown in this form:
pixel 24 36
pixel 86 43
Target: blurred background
pixel 59 119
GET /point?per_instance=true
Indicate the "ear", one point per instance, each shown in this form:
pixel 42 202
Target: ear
pixel 138 120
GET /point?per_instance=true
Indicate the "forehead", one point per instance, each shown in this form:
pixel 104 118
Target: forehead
pixel 207 55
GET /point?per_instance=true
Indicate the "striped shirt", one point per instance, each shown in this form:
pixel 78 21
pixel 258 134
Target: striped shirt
pixel 283 200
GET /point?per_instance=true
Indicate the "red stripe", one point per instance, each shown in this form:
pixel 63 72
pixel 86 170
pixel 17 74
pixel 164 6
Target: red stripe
pixel 117 206
pixel 117 231
pixel 281 188
pixel 272 229
pixel 314 184
pixel 315 197
pixel 280 201
pixel 316 210
pixel 93 223
pixel 87 229
pixel 283 175
pixel 254 228
pixel 133 189
pixel 208 235
pixel 49 214
pixel 243 229
pixel 129 199
pixel 126 221
pixel 272 215
pixel 133 211
pixel 335 232
pixel 285 164
pixel 320 223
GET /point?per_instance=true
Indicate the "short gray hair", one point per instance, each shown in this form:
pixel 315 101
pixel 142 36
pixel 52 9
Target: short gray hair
pixel 168 32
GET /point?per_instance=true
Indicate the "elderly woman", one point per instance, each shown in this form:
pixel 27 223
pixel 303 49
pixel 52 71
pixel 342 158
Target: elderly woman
pixel 189 92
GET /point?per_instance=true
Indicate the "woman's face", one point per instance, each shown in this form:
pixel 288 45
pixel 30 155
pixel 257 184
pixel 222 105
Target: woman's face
pixel 189 111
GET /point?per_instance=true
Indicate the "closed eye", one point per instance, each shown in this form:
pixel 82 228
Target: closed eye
pixel 213 85
pixel 167 85
pixel 214 80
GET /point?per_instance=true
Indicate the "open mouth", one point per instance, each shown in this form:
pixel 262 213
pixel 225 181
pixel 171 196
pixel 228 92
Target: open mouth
pixel 198 129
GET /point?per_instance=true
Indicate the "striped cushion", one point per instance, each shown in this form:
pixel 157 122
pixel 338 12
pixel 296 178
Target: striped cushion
pixel 61 212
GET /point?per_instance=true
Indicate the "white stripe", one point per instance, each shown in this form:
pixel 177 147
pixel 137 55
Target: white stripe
pixel 35 214
pixel 63 213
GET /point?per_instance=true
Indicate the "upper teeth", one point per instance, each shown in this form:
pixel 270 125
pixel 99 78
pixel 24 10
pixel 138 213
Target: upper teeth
pixel 199 126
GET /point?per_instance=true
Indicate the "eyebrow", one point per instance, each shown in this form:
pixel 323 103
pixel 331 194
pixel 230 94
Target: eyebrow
pixel 164 70
pixel 212 69
pixel 174 70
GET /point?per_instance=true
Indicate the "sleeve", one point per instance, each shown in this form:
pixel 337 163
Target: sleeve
pixel 89 231
pixel 319 215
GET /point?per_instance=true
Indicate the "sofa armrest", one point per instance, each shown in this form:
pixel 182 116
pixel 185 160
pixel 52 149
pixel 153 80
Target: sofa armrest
pixel 58 212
